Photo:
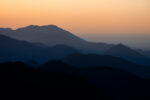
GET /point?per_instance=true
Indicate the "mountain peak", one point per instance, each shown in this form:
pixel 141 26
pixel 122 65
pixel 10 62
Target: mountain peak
pixel 39 27
pixel 54 26
pixel 5 29
pixel 32 26
pixel 120 46
pixel 28 27
pixel 43 26
pixel 127 53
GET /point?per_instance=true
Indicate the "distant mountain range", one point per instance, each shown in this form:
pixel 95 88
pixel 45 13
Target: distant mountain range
pixel 127 53
pixel 18 50
pixel 88 60
pixel 42 43
pixel 52 35
pixel 46 62
pixel 12 50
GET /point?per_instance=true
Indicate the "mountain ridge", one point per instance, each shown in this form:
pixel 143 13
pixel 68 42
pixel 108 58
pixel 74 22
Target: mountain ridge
pixel 87 60
pixel 52 35
pixel 20 50
pixel 127 53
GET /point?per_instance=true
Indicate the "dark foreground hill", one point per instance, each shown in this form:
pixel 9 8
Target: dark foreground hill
pixel 59 81
pixel 20 82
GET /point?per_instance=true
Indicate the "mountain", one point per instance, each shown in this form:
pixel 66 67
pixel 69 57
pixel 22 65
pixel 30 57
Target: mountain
pixel 52 35
pixel 18 50
pixel 21 82
pixel 6 31
pixel 144 52
pixel 60 51
pixel 11 49
pixel 127 53
pixel 49 35
pixel 88 60
pixel 112 82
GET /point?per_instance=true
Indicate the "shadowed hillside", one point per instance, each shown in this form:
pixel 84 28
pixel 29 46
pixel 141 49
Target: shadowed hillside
pixel 86 60
pixel 127 53
pixel 21 82
pixel 57 80
pixel 18 50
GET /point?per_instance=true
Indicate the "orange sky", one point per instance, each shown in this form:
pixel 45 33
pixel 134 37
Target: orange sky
pixel 79 16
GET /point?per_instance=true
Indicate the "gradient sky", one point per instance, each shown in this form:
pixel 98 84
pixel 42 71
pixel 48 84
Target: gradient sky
pixel 82 17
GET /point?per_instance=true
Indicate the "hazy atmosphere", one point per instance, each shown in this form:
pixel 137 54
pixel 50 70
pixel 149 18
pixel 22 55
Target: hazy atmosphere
pixel 111 21
pixel 75 49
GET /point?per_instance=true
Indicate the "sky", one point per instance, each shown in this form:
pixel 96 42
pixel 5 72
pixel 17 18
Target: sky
pixel 95 20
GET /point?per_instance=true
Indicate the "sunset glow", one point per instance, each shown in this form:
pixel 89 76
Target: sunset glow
pixel 98 16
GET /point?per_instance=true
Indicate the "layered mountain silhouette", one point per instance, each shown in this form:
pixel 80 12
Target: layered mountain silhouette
pixel 52 35
pixel 127 53
pixel 88 60
pixel 18 50
pixel 21 82
pixel 51 42
pixel 75 69
pixel 112 82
